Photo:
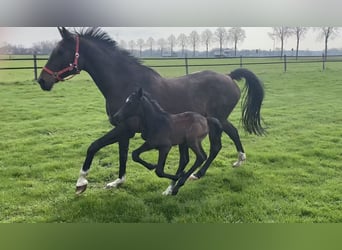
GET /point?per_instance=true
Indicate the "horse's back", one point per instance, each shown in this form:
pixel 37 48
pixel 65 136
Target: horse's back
pixel 206 92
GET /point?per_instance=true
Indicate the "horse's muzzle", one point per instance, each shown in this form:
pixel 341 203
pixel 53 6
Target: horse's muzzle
pixel 44 85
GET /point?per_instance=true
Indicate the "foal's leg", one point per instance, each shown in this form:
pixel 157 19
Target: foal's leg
pixel 233 133
pixel 215 147
pixel 183 161
pixel 136 156
pixel 163 152
pixel 119 133
pixel 200 158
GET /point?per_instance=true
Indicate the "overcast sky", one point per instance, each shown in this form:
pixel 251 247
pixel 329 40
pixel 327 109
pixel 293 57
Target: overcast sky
pixel 256 37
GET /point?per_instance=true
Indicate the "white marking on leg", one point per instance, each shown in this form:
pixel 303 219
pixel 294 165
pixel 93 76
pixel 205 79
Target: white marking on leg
pixel 82 181
pixel 241 159
pixel 116 183
pixel 169 189
pixel 193 177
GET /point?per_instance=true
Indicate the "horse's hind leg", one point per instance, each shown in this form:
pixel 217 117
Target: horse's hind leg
pixel 233 133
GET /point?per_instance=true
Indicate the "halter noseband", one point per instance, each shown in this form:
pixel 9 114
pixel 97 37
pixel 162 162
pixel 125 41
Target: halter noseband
pixel 72 66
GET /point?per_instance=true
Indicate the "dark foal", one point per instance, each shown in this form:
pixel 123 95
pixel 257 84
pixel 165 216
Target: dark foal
pixel 162 130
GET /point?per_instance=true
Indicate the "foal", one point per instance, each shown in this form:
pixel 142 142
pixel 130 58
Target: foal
pixel 162 130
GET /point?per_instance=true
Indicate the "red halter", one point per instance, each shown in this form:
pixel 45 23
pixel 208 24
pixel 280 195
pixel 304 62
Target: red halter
pixel 72 66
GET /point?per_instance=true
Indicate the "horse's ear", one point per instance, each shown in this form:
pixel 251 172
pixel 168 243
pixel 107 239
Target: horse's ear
pixel 64 33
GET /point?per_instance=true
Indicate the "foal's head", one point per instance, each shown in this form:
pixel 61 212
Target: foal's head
pixel 131 107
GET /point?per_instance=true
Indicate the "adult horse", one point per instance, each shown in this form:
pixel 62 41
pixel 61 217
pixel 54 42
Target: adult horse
pixel 117 74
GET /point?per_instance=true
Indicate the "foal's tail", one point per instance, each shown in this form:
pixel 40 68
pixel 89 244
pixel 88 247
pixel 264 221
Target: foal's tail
pixel 253 95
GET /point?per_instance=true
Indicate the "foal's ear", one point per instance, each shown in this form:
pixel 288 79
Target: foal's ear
pixel 64 33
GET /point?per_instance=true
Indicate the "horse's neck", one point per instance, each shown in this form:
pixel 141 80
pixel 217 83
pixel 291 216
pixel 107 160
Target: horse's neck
pixel 111 70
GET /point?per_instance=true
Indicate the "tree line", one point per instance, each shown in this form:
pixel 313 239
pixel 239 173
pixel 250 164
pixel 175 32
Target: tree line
pixel 214 42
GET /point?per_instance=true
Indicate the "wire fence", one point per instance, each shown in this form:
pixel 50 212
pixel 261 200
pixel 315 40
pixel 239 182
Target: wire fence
pixel 33 62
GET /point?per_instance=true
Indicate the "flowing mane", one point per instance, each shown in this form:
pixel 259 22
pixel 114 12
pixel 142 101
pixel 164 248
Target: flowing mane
pixel 100 36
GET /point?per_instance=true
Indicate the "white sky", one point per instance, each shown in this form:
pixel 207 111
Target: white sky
pixel 256 37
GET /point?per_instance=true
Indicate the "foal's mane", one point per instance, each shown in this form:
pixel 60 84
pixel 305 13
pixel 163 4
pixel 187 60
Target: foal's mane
pixel 154 103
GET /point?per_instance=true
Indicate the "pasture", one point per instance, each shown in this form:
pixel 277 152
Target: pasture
pixel 293 174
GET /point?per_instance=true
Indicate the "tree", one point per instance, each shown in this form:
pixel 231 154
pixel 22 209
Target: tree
pixel 161 42
pixel 327 33
pixel 207 36
pixel 194 38
pixel 172 41
pixel 123 44
pixel 221 35
pixel 150 43
pixel 282 33
pixel 140 44
pixel 299 32
pixel 236 35
pixel 182 41
pixel 44 47
pixel 131 45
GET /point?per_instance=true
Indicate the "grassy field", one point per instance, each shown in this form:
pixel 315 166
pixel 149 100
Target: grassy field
pixel 291 175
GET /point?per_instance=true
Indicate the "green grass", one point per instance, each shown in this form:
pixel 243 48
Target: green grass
pixel 291 175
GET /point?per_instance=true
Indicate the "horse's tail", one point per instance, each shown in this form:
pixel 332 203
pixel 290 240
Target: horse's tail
pixel 253 95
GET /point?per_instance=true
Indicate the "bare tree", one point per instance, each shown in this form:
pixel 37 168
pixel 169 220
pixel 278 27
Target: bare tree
pixel 182 41
pixel 123 44
pixel 299 32
pixel 282 33
pixel 172 41
pixel 140 44
pixel 236 35
pixel 327 33
pixel 161 42
pixel 150 43
pixel 44 47
pixel 207 37
pixel 194 38
pixel 131 45
pixel 221 35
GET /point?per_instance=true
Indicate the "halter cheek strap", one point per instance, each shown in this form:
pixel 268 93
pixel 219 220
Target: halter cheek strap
pixel 72 66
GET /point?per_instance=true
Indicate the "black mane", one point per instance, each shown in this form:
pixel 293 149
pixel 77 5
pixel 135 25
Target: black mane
pixel 96 33
pixel 154 103
pixel 99 35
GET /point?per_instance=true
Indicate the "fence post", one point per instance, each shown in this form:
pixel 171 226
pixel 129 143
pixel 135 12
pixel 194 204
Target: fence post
pixel 240 61
pixel 186 64
pixel 285 66
pixel 35 66
pixel 323 61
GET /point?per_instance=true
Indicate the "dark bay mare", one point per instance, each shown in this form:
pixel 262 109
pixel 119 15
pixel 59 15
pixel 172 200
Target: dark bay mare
pixel 117 74
pixel 162 130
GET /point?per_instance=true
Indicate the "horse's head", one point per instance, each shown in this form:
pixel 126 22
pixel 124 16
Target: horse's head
pixel 63 61
pixel 131 107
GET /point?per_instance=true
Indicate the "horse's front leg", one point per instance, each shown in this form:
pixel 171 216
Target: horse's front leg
pixel 123 152
pixel 120 134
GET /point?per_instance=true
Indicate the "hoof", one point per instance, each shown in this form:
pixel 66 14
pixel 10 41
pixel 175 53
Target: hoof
pixel 81 189
pixel 193 177
pixel 241 159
